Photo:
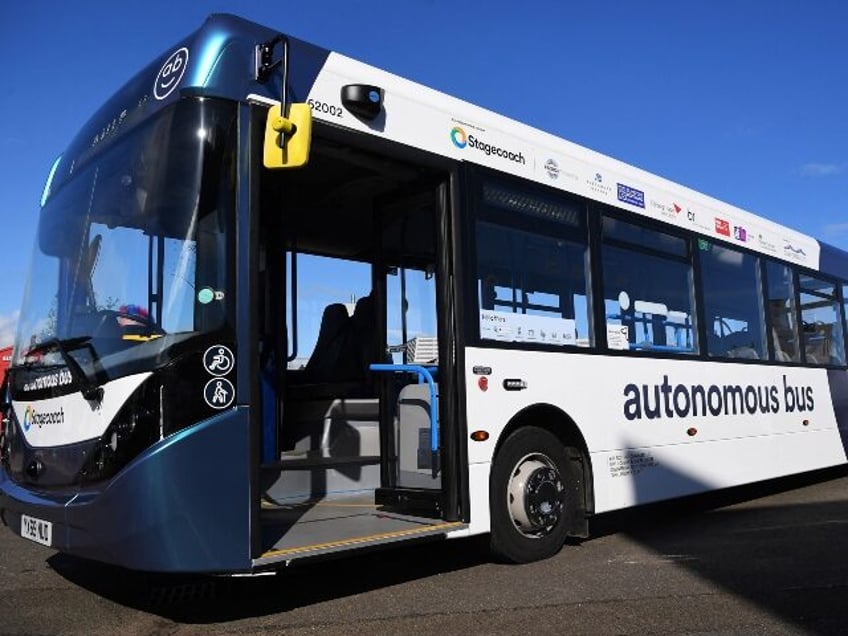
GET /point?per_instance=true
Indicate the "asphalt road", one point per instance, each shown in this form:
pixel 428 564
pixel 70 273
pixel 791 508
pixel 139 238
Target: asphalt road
pixel 760 560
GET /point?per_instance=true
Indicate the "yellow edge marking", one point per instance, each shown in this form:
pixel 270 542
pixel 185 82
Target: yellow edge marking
pixel 360 540
pixel 272 505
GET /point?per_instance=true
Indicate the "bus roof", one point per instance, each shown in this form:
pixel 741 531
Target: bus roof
pixel 218 60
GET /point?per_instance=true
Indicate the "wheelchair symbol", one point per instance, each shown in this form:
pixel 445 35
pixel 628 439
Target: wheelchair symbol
pixel 218 360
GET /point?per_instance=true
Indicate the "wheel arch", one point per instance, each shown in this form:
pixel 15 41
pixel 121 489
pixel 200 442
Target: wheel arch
pixel 564 428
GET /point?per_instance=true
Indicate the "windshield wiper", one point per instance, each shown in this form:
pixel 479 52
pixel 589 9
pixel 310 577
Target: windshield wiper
pixel 90 391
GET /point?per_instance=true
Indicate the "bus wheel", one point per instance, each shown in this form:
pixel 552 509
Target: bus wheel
pixel 529 496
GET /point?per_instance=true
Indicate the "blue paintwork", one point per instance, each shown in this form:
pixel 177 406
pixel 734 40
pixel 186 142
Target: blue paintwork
pixel 183 505
pixel 221 64
pixel 833 261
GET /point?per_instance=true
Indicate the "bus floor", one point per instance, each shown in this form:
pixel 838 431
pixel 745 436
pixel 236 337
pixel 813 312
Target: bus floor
pixel 344 522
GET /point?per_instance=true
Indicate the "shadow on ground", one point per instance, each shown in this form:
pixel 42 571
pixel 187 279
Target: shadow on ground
pixel 789 563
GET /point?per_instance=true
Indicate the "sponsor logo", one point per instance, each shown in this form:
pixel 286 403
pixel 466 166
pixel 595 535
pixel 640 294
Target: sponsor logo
pixel 722 227
pixel 670 211
pixel 552 168
pixel 632 196
pixel 766 245
pixel 794 253
pixel 42 418
pixel 795 250
pixel 597 185
pixel 740 233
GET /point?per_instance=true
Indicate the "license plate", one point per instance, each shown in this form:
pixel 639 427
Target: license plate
pixel 36 530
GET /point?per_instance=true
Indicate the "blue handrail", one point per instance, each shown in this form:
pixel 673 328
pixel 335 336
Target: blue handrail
pixel 425 374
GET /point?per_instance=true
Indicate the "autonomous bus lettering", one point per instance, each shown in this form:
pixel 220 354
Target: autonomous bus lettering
pixel 667 400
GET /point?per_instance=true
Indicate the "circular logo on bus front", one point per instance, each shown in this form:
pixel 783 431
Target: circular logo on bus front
pixel 171 73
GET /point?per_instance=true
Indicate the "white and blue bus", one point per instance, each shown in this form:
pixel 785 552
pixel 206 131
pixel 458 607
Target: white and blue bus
pixel 283 304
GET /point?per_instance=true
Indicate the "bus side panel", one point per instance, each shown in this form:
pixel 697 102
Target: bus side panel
pixel 657 429
pixel 182 506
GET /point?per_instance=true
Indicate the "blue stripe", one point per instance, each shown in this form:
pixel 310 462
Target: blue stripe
pixel 837 380
pixel 833 260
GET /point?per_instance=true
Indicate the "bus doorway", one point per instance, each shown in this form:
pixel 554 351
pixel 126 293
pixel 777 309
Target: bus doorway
pixel 359 419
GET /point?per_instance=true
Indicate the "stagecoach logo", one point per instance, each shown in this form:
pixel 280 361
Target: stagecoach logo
pixel 170 74
pixel 458 137
pixel 40 419
pixel 461 140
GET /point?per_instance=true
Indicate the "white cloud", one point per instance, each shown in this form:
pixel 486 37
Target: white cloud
pixel 8 324
pixel 822 169
pixel 835 230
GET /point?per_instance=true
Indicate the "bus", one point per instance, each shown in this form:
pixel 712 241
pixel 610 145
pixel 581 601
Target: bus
pixel 283 305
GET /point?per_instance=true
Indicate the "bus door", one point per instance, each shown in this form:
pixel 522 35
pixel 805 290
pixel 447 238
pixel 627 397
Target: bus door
pixel 411 376
pixel 358 414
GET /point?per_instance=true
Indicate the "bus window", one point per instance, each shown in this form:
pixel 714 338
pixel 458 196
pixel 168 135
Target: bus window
pixel 532 285
pixel 648 298
pixel 781 310
pixel 327 293
pixel 821 321
pixel 411 316
pixel 732 302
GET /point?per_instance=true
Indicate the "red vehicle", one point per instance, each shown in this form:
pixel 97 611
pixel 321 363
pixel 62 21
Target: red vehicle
pixel 5 361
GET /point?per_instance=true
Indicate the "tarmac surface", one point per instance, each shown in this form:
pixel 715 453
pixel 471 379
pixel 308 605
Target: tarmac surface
pixel 766 559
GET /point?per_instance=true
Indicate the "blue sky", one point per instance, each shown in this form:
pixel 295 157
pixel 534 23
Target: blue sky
pixel 743 100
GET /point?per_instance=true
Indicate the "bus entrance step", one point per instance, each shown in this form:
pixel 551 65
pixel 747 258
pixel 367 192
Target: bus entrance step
pixel 422 501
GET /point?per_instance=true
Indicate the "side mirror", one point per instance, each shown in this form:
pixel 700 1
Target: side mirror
pixel 288 139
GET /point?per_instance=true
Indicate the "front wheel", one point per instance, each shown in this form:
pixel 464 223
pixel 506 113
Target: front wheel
pixel 531 497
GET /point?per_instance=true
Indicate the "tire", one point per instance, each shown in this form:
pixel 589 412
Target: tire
pixel 531 496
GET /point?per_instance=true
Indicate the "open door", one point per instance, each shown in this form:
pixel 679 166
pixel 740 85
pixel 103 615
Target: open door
pixel 353 280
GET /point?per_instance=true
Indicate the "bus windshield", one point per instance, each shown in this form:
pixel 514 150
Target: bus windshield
pixel 134 251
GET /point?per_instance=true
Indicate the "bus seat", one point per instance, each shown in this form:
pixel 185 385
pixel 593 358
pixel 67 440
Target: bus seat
pixel 741 344
pixel 364 329
pixel 329 348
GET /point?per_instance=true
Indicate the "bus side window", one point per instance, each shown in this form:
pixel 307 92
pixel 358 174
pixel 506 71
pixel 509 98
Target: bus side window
pixel 733 302
pixel 782 311
pixel 532 267
pixel 822 321
pixel 648 295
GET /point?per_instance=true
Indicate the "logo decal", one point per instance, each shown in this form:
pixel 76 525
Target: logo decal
pixel 722 226
pixel 458 137
pixel 626 194
pixel 170 74
pixel 32 418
